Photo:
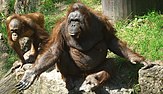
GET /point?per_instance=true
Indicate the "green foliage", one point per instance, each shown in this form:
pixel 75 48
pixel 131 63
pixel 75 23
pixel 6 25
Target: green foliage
pixel 95 4
pixel 91 2
pixel 53 6
pixel 51 20
pixel 144 33
pixel 46 6
pixel 12 58
pixel 136 89
pixel 11 53
pixel 11 4
pixel 3 26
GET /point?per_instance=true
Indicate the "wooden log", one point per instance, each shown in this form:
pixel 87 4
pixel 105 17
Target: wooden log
pixel 7 85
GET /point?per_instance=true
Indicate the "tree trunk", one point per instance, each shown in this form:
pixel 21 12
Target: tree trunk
pixel 116 9
pixel 122 9
pixel 25 6
pixel 7 85
pixel 4 6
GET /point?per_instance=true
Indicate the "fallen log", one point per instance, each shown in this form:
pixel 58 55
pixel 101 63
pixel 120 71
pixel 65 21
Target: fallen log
pixel 7 85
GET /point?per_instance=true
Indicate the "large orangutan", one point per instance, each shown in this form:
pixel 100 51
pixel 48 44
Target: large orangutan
pixel 79 47
pixel 28 25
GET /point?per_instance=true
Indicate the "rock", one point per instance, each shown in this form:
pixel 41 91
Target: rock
pixel 3 47
pixel 151 80
pixel 52 83
pixel 48 83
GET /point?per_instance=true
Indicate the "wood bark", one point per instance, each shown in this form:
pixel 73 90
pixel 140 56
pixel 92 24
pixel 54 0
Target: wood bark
pixel 4 6
pixel 25 6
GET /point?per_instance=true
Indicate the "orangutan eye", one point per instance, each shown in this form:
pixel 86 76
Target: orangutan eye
pixel 76 20
pixel 13 30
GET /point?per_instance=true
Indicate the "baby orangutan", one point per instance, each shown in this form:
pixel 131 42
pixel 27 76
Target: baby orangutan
pixel 27 25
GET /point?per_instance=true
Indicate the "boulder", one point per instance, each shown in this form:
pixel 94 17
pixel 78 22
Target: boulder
pixel 126 76
pixel 49 82
pixel 151 80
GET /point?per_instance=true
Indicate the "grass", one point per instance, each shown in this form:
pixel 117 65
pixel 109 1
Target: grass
pixel 144 34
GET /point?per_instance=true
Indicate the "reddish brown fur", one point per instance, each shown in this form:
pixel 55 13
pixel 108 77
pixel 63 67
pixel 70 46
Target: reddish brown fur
pixel 32 26
pixel 76 56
